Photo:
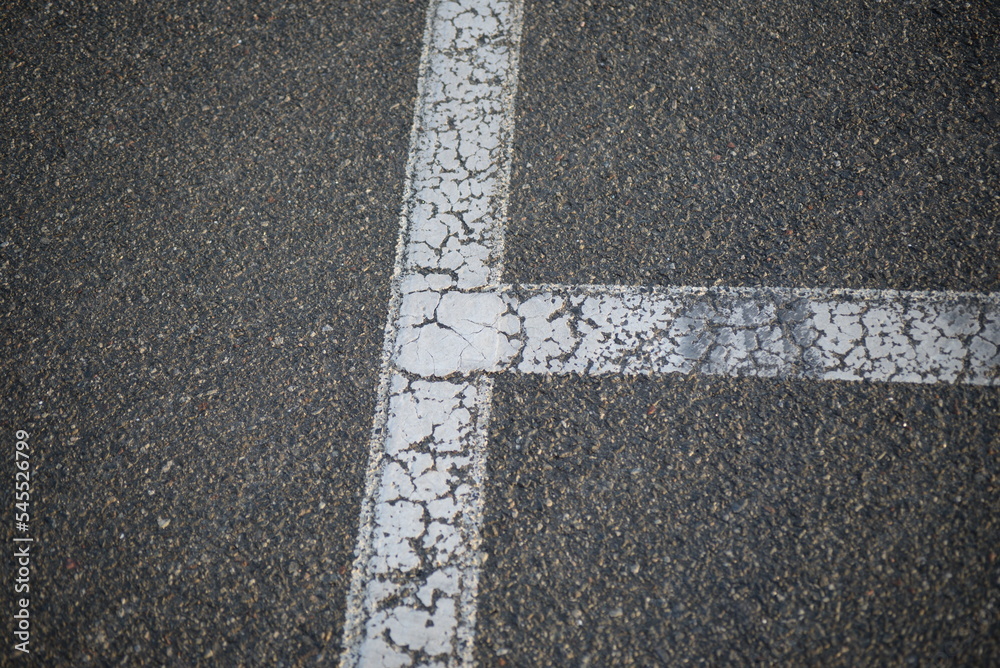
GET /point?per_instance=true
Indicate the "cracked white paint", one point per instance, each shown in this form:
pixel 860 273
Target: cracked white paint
pixel 422 552
pixel 441 333
pixel 887 336
pixel 459 180
pixel 413 586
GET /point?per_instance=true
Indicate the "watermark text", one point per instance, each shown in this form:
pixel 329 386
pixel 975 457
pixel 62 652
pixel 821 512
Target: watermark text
pixel 22 542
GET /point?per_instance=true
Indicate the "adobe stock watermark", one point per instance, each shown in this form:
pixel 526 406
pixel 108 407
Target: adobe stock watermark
pixel 22 542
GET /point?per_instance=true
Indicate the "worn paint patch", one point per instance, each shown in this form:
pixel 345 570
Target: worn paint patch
pixel 885 336
pixel 423 559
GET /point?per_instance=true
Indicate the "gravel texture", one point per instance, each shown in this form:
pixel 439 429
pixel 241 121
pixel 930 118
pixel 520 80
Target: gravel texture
pixel 197 226
pixel 801 144
pixel 719 521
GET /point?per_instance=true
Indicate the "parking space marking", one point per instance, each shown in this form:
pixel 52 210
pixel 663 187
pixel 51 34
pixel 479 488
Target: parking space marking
pixel 415 575
pixel 412 599
pixel 875 335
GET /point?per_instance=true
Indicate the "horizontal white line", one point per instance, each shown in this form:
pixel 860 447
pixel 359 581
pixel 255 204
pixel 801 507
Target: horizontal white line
pixel 809 293
pixel 873 335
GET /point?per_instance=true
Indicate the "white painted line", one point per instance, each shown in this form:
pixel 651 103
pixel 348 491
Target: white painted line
pixel 871 335
pixel 415 577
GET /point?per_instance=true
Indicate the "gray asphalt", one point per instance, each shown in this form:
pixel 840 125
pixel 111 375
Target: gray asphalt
pixel 822 144
pixel 198 222
pixel 685 520
pixel 199 216
pixel 722 521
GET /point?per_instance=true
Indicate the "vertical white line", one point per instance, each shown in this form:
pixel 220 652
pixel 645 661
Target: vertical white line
pixel 415 576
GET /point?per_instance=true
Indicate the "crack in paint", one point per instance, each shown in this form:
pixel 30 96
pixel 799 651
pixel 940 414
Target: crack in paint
pixel 421 550
pixel 768 332
pixel 415 576
pixel 854 335
pixel 459 193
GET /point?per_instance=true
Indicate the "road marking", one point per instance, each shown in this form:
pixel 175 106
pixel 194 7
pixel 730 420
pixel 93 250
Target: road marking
pixel 873 335
pixel 451 323
pixel 415 576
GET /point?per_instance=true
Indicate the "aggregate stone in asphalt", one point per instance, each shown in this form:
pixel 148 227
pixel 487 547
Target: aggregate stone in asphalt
pixel 197 230
pixel 804 144
pixel 728 521
pixel 197 227
pixel 682 519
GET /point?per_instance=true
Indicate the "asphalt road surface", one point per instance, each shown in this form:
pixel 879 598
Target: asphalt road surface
pixel 200 208
pixel 814 144
pixel 200 244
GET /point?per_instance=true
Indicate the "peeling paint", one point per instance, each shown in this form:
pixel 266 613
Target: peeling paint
pixel 414 582
pixel 424 539
pixel 872 335
pixel 883 336
pixel 459 183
